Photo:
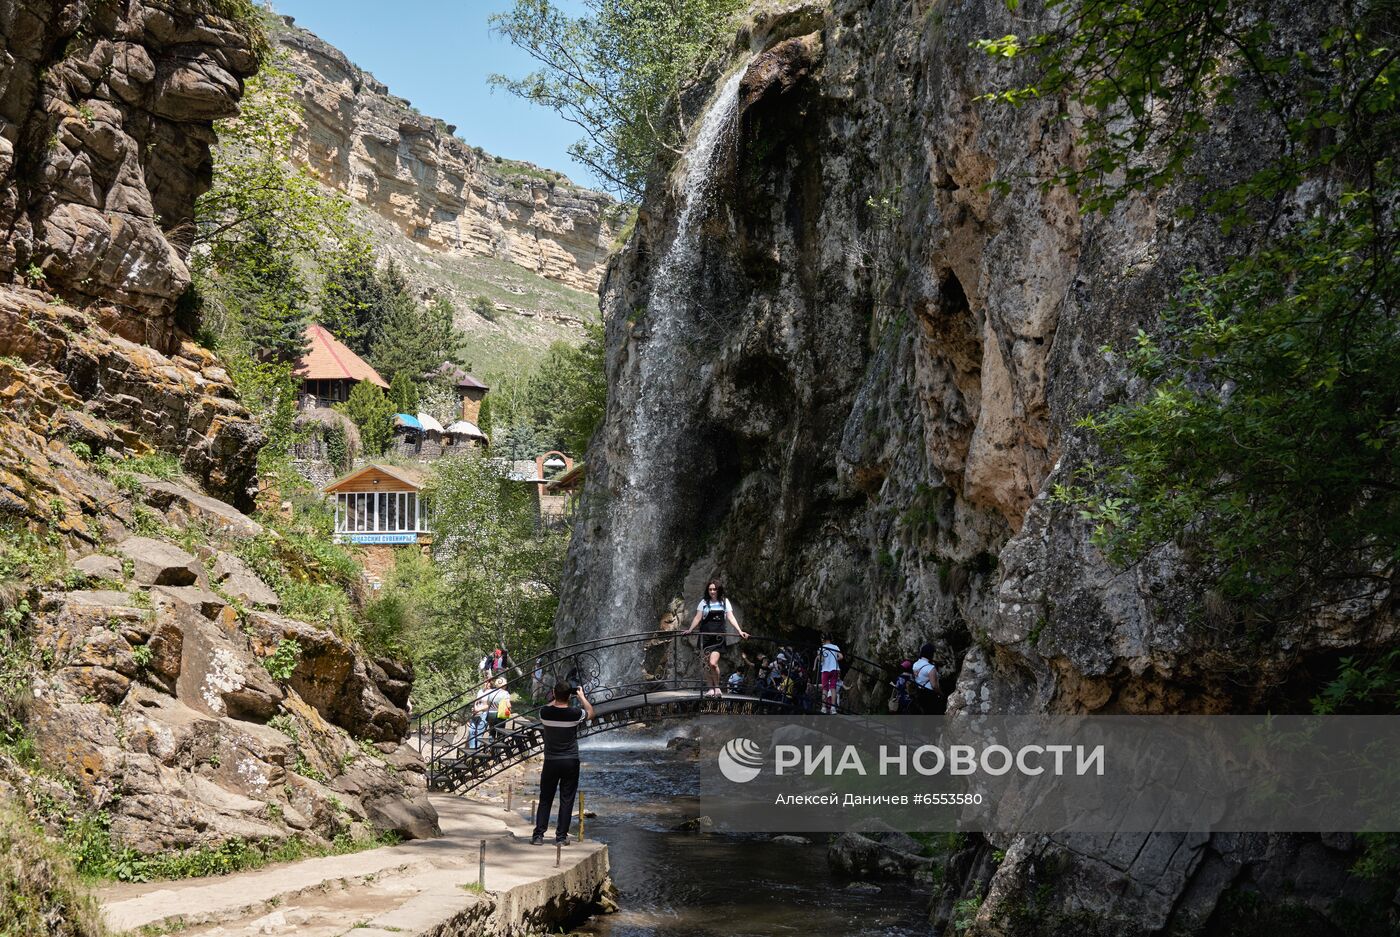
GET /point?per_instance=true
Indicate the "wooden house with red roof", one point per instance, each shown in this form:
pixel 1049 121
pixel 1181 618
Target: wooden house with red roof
pixel 329 369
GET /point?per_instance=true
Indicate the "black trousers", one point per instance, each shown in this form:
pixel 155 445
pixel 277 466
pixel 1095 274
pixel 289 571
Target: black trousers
pixel 928 702
pixel 560 774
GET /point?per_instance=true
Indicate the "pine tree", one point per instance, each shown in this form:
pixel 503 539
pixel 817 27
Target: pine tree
pixel 483 416
pixel 263 290
pixel 353 296
pixel 404 393
pixel 373 412
pixel 413 338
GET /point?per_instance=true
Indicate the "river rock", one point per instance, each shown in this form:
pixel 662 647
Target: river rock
pixel 788 840
pixel 853 855
pixel 695 825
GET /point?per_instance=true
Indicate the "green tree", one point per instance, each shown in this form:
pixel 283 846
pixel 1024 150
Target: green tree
pixel 403 393
pixel 269 391
pixel 260 223
pixel 580 390
pixel 500 567
pixel 261 290
pixel 483 416
pixel 412 337
pixel 619 73
pixel 1267 444
pixel 439 400
pixel 373 412
pixel 352 296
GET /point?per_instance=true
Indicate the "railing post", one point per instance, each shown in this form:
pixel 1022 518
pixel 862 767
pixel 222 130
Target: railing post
pixel 481 868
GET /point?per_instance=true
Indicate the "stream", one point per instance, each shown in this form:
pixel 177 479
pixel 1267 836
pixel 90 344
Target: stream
pixel 680 884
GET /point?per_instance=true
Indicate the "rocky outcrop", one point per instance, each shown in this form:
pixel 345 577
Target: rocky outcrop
pixel 147 693
pixel 67 377
pixel 156 699
pixel 105 129
pixel 443 194
pixel 856 408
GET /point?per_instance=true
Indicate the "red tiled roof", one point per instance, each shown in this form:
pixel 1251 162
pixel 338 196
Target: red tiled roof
pixel 327 358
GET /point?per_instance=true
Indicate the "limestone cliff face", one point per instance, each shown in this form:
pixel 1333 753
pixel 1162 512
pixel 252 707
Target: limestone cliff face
pixel 845 376
pixel 145 691
pixel 443 194
pixel 105 112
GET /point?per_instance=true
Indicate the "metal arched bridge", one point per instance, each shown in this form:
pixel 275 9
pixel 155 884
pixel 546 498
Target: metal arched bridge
pixel 666 684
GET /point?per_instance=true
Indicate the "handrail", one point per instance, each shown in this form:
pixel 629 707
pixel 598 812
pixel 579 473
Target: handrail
pixel 635 637
pixel 669 669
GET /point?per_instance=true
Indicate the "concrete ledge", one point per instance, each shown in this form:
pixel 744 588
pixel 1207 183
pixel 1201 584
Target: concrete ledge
pixel 423 887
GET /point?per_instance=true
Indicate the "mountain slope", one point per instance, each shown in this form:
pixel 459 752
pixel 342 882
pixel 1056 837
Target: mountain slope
pixel 463 223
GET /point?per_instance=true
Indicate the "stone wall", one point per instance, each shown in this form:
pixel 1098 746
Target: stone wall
pixel 441 193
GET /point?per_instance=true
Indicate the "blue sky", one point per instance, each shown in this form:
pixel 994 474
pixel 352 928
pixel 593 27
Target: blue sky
pixel 438 54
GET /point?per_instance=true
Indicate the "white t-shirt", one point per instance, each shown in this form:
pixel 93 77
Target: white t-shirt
pixel 830 657
pixel 706 607
pixel 493 699
pixel 925 673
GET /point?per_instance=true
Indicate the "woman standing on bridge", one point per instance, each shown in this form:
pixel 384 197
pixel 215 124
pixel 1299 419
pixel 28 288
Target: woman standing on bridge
pixel 713 616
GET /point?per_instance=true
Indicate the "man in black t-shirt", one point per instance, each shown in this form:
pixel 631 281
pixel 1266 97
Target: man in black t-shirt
pixel 560 722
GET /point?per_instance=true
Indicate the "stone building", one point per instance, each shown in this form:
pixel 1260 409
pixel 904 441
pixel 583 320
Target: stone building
pixel 470 391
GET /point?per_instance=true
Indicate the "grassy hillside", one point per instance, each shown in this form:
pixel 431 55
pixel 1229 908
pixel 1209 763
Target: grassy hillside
pixel 530 312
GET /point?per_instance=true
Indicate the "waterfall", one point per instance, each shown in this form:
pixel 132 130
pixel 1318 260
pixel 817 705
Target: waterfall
pixel 655 432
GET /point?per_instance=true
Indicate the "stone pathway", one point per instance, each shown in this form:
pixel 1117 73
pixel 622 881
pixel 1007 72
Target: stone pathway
pixel 416 887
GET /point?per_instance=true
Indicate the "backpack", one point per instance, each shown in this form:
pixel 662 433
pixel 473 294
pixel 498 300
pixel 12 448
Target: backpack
pixel 503 707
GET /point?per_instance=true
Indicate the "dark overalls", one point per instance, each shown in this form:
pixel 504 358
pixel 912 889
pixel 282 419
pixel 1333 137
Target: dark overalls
pixel 713 627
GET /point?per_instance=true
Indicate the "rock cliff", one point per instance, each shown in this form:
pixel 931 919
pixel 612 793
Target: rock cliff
pixel 845 375
pixel 135 691
pixel 439 192
pixel 106 111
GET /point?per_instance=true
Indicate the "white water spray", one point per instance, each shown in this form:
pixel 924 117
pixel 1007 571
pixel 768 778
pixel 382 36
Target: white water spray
pixel 655 431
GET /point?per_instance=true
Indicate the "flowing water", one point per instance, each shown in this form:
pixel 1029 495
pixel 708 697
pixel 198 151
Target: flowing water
pixel 640 514
pixel 676 884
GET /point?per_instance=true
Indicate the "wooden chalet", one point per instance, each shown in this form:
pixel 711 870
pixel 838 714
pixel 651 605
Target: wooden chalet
pixel 329 370
pixel 379 504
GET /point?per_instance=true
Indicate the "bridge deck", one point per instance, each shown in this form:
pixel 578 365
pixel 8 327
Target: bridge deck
pixel 453 766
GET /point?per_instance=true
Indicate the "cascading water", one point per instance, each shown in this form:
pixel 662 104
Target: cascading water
pixel 654 433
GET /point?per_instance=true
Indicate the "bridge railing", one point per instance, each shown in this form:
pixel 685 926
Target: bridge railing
pixel 653 661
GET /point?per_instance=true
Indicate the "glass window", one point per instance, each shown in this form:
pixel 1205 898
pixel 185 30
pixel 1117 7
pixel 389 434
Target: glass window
pixel 361 512
pixel 411 511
